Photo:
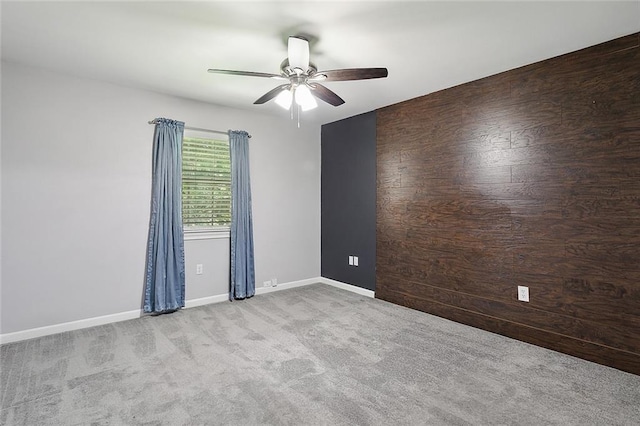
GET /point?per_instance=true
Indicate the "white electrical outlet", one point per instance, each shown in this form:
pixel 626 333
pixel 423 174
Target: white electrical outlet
pixel 274 282
pixel 199 269
pixel 523 293
pixel 266 284
pixel 355 260
pixel 351 260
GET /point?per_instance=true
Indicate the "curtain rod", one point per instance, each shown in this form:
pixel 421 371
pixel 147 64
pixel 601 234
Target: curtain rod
pixel 199 129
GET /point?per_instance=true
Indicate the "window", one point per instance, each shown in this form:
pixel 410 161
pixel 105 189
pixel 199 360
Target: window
pixel 206 183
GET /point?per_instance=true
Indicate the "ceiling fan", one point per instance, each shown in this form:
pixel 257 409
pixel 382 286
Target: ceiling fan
pixel 303 78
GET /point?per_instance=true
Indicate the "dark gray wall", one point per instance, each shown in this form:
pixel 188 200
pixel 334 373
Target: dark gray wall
pixel 349 200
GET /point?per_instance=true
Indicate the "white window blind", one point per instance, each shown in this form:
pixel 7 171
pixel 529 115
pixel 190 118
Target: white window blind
pixel 206 183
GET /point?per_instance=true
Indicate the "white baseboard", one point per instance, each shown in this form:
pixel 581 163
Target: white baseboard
pixel 292 284
pixel 95 321
pixel 123 316
pixel 68 326
pixel 348 287
pixel 192 303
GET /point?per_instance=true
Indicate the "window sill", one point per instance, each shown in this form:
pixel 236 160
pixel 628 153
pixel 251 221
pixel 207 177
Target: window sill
pixel 206 234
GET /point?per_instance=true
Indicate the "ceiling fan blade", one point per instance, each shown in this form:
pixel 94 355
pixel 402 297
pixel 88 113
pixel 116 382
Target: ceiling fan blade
pixel 324 94
pixel 298 51
pixel 350 74
pixel 246 73
pixel 271 94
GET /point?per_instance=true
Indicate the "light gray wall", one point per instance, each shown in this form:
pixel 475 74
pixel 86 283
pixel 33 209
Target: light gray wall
pixel 213 255
pixel 76 182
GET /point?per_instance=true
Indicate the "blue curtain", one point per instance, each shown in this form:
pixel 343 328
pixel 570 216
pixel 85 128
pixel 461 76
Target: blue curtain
pixel 164 283
pixel 243 280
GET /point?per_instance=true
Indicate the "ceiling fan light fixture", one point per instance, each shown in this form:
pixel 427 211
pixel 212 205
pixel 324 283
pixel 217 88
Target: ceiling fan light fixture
pixel 304 98
pixel 284 99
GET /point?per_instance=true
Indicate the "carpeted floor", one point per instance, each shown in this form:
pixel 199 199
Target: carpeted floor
pixel 313 355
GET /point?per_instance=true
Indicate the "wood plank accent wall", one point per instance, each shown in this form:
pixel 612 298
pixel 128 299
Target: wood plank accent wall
pixel 530 177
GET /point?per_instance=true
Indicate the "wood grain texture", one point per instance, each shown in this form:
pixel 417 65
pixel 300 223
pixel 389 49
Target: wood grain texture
pixel 529 177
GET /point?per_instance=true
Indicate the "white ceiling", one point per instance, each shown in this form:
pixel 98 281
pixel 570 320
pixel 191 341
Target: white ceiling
pixel 427 46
